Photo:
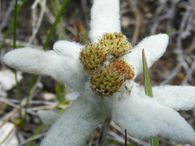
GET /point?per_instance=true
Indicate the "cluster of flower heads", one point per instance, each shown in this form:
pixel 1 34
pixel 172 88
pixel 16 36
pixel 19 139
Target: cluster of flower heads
pixel 106 79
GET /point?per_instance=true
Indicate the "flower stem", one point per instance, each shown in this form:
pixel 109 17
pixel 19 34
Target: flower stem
pixel 154 141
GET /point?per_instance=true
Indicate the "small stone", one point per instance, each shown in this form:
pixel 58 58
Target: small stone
pixel 7 79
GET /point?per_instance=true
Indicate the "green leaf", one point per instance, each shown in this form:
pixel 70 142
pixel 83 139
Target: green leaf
pixel 154 141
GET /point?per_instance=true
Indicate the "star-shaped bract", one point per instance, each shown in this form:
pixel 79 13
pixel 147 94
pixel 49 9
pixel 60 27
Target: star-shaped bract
pixel 142 116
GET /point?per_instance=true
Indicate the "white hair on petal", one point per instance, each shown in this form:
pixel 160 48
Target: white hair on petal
pixel 105 18
pixel 154 47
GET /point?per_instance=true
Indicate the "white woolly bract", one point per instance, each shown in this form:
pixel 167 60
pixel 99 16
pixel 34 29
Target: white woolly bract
pixel 48 117
pixel 145 117
pixel 177 97
pixel 68 49
pixel 154 46
pixel 105 18
pixel 75 125
pixel 60 67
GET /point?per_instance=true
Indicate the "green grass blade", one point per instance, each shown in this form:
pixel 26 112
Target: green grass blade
pixel 15 23
pixel 57 20
pixel 11 24
pixel 60 31
pixel 146 76
pixel 154 141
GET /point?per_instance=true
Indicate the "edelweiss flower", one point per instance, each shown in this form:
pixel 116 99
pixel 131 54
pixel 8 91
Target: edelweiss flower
pixel 103 73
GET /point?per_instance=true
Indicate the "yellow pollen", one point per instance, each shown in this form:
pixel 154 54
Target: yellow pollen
pixel 116 44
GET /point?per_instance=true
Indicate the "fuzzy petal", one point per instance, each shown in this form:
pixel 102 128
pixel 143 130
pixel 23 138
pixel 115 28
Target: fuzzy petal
pixel 177 97
pixel 145 117
pixel 48 117
pixel 33 60
pixel 68 49
pixel 154 47
pixel 53 63
pixel 75 125
pixel 105 18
